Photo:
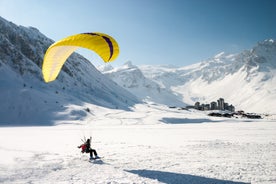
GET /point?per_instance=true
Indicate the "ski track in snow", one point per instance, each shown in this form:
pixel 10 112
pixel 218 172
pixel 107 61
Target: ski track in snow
pixel 139 148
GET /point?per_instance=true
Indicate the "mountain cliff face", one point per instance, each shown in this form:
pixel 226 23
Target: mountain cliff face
pixel 247 80
pixel 26 99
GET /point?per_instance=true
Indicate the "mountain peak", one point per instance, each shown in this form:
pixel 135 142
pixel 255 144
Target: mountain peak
pixel 219 55
pixel 264 53
pixel 266 44
pixel 269 41
pixel 128 64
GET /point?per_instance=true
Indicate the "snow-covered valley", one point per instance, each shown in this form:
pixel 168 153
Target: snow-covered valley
pixel 151 144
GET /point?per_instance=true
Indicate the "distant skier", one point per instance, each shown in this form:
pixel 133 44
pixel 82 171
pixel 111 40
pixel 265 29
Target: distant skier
pixel 86 148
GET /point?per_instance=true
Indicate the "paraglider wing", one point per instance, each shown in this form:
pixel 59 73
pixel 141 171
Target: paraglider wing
pixel 104 45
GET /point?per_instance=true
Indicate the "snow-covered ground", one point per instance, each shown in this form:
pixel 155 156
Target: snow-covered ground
pixel 151 144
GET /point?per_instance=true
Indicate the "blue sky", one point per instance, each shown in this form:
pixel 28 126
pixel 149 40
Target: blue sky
pixel 177 32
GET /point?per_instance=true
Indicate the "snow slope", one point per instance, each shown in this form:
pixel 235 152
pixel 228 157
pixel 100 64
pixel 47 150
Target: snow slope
pixel 151 144
pixel 247 80
pixel 26 99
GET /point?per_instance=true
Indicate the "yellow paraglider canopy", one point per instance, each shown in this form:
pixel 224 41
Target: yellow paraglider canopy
pixel 104 45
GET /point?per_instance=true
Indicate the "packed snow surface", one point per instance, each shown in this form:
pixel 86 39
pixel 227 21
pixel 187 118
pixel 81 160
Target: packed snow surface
pixel 150 144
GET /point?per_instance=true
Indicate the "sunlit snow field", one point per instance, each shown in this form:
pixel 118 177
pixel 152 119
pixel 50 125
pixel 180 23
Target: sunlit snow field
pixel 151 144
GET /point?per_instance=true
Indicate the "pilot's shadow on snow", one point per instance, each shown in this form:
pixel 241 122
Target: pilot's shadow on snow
pixel 100 162
pixel 184 120
pixel 176 178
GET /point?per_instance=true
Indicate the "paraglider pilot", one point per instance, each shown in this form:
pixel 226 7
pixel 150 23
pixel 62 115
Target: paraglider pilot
pixel 86 148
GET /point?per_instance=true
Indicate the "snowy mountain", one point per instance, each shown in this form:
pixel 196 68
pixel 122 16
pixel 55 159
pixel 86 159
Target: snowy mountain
pixel 26 99
pixel 247 80
pixel 131 77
